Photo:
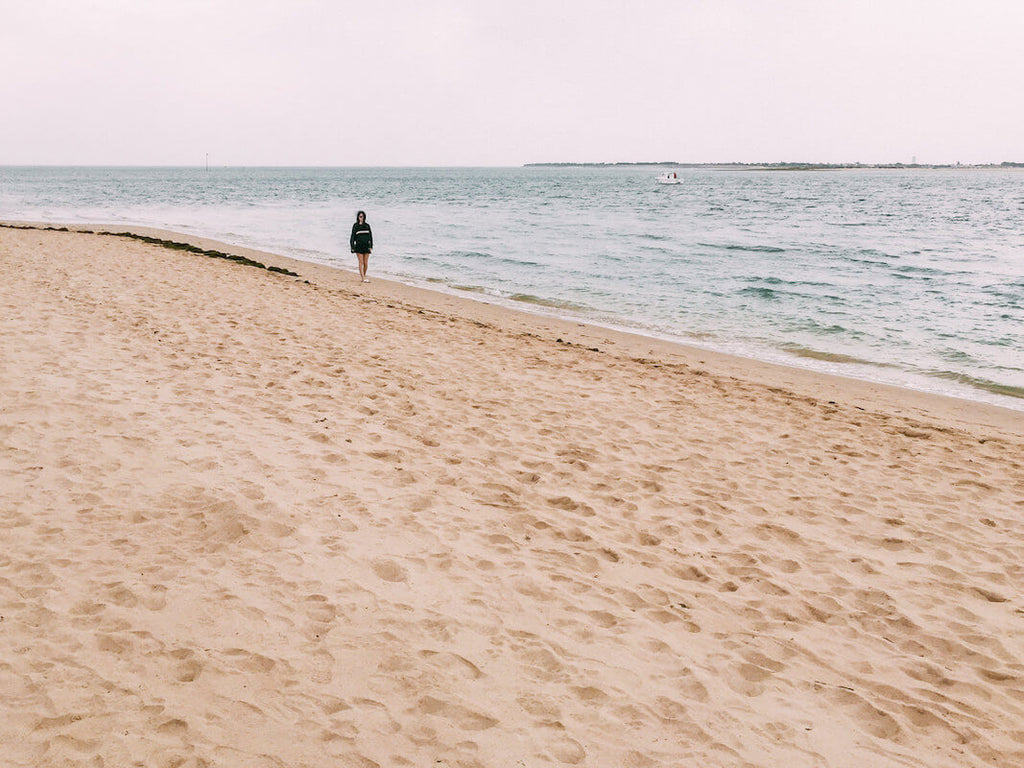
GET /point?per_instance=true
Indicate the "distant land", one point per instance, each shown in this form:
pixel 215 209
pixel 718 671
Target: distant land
pixel 774 166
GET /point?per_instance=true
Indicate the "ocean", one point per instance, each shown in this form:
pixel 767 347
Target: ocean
pixel 913 277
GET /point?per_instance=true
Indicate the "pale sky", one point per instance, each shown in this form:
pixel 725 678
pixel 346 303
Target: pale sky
pixel 490 82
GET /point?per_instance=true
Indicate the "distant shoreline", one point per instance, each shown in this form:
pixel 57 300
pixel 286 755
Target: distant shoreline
pixel 786 166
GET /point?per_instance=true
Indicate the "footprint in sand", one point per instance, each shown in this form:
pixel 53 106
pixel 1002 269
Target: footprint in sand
pixel 459 716
pixel 119 594
pixel 322 664
pixel 566 750
pixel 453 662
pixel 866 716
pixel 187 671
pixel 319 610
pixel 389 570
pixel 591 695
pixel 246 661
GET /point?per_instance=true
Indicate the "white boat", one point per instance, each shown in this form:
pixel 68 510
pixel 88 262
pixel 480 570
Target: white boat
pixel 669 178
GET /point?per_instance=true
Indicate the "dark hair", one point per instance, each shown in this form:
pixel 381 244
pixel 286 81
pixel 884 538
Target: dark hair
pixel 360 213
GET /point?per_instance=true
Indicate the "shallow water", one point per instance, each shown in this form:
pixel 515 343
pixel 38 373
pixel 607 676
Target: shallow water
pixel 913 276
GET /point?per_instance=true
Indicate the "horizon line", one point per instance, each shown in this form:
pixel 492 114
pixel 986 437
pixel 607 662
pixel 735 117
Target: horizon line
pixel 563 163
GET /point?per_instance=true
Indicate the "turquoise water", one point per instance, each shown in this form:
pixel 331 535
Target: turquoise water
pixel 913 276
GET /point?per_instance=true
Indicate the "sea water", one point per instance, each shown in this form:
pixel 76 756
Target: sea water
pixel 907 276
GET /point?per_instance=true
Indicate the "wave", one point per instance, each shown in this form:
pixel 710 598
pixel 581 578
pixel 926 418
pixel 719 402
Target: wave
pixel 876 252
pixel 924 271
pixel 484 256
pixel 777 294
pixel 525 298
pixel 750 248
pixel 1005 294
pixel 466 255
pixel 957 356
pixel 828 330
pixel 986 385
pixel 780 281
pixel 768 294
pixel 830 357
pixel 528 298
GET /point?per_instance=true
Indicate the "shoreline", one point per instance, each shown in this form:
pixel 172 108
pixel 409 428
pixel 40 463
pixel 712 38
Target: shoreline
pixel 958 387
pixel 815 360
pixel 256 519
pixel 819 384
pixel 724 295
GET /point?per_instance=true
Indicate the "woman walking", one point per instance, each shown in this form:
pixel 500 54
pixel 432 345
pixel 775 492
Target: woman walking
pixel 361 243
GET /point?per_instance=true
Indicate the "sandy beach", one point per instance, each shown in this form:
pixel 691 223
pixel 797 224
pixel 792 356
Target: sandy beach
pixel 254 519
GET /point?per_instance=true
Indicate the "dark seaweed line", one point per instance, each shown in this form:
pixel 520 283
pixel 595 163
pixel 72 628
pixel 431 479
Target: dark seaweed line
pixel 173 245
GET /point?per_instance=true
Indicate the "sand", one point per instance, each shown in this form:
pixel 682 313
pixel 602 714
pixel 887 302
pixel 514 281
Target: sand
pixel 249 519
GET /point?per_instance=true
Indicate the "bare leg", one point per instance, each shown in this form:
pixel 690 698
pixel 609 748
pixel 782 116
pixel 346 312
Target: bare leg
pixel 364 259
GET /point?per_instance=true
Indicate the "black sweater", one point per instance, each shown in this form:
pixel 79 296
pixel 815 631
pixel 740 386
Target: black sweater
pixel 361 240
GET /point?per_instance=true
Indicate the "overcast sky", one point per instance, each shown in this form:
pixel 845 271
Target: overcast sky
pixel 490 82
